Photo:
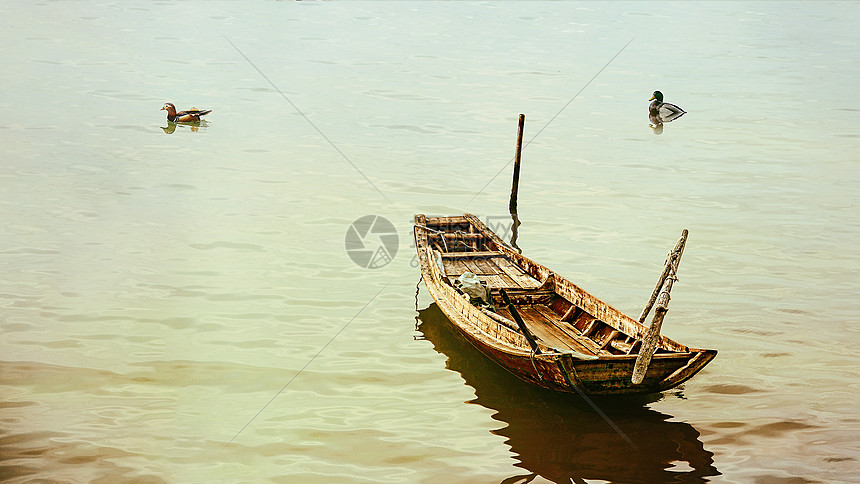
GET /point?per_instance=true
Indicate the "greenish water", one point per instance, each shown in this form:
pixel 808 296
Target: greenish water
pixel 182 308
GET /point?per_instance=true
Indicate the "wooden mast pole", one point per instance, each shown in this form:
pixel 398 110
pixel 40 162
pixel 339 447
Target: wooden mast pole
pixel 515 186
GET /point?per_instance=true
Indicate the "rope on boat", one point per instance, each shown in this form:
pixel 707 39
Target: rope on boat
pixel 566 374
pixel 429 229
pixel 532 357
pixel 444 242
pixel 418 289
pixel 582 394
pixel 458 233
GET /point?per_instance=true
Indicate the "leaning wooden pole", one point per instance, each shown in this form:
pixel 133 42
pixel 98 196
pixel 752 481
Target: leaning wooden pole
pixel 676 253
pixel 652 337
pixel 515 185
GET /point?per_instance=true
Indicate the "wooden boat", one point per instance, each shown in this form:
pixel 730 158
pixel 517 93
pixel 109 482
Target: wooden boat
pixel 553 333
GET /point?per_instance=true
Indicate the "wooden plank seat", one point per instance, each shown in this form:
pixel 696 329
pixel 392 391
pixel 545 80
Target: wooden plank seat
pixel 542 320
pixel 491 267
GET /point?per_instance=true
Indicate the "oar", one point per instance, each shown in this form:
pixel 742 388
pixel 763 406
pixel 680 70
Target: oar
pixel 652 338
pixel 522 324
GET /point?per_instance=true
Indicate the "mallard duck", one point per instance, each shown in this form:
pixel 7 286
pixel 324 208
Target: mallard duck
pixel 663 111
pixel 190 116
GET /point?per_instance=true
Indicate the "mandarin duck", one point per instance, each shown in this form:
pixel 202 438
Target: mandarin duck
pixel 190 116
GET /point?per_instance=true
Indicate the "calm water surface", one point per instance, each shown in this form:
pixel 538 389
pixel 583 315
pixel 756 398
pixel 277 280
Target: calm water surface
pixel 178 306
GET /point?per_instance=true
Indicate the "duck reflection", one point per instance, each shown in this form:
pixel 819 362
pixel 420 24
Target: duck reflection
pixel 656 124
pixel 193 126
pixel 560 438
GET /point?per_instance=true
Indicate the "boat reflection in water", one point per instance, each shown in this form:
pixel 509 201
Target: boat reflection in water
pixel 560 437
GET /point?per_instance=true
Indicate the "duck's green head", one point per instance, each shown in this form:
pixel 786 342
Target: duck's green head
pixel 658 96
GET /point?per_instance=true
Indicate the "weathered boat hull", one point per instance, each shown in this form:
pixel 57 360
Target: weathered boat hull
pixel 598 377
pixel 565 369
